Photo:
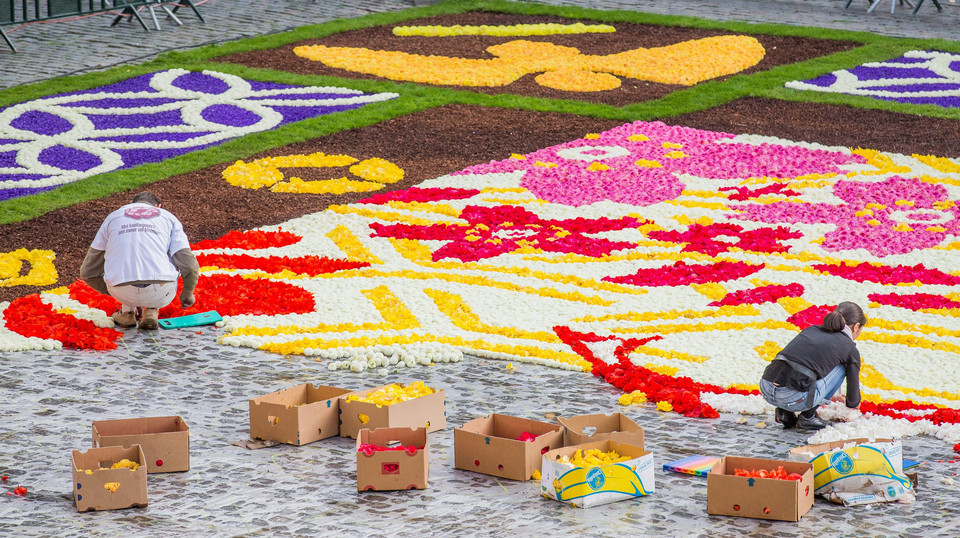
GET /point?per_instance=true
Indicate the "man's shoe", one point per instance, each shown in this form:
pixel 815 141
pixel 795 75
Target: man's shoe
pixel 149 321
pixel 812 423
pixel 787 418
pixel 124 319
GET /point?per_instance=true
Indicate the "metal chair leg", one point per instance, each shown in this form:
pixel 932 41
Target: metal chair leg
pixel 130 11
pixel 189 4
pixel 7 39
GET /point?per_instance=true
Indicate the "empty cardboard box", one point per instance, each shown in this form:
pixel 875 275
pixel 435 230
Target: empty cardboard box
pixel 584 487
pixel 98 487
pixel 297 415
pixel 613 427
pixel 761 498
pixel 426 411
pixel 385 470
pixel 490 445
pixel 165 440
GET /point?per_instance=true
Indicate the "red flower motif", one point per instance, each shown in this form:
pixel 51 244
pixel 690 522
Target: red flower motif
pixel 249 240
pixel 416 194
pixel 681 274
pixel 681 392
pixel 720 237
pixel 763 294
pixel 29 316
pixel 491 231
pixel 914 301
pixel 229 295
pixel 304 265
pixel 812 315
pixel 883 274
pixel 744 193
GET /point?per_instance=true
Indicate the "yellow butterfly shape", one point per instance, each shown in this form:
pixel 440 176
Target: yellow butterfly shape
pixel 561 68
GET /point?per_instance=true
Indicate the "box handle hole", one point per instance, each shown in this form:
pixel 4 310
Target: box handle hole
pixel 390 468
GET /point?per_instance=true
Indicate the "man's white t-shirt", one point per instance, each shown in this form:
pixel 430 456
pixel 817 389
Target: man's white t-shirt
pixel 139 241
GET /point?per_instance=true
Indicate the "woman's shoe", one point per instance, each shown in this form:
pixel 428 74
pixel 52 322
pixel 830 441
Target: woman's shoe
pixel 787 418
pixel 813 423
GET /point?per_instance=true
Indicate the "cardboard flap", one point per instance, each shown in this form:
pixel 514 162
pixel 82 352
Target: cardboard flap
pixel 615 426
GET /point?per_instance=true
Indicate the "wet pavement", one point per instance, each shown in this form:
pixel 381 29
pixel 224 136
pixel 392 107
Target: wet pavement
pixel 311 490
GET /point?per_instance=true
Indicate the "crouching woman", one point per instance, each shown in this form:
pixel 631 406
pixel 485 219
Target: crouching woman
pixel 808 372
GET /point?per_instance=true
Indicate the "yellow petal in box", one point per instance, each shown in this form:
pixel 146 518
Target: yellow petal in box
pixel 100 485
pixel 297 415
pixel 426 409
pixel 595 485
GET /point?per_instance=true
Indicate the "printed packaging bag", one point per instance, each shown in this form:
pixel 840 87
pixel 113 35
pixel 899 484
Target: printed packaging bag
pixel 858 471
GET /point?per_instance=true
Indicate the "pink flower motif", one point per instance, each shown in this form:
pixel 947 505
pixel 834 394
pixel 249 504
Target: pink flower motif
pixel 871 217
pixel 639 164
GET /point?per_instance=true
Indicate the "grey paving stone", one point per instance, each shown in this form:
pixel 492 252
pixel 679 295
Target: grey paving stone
pixel 285 490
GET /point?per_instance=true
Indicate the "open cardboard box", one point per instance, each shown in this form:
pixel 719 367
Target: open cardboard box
pixel 297 415
pixel 761 498
pixel 426 411
pixel 592 486
pixel 92 474
pixel 613 427
pixel 392 469
pixel 165 440
pixel 490 445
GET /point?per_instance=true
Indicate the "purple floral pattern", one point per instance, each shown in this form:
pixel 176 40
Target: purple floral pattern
pixel 51 141
pixel 918 77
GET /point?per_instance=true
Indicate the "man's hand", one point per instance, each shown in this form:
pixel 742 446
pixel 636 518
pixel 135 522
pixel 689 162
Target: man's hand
pixel 186 301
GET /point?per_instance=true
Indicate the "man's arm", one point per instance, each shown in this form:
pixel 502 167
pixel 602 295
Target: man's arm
pixel 189 269
pixel 91 270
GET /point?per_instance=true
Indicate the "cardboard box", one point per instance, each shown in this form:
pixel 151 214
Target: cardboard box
pixel 613 427
pixel 826 471
pixel 426 411
pixel 489 445
pixel 592 486
pixel 165 440
pixel 761 498
pixel 90 491
pixel 392 469
pixel 297 415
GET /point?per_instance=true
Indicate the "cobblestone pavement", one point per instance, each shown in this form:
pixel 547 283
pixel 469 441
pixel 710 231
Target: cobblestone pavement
pixel 60 48
pixel 311 490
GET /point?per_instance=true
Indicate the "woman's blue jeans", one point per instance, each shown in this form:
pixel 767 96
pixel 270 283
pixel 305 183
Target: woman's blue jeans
pixel 795 400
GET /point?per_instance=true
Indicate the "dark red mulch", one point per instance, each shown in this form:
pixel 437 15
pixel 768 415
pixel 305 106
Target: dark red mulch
pixel 779 51
pixel 831 125
pixel 425 145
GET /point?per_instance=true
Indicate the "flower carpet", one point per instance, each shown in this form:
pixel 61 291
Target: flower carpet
pixel 671 261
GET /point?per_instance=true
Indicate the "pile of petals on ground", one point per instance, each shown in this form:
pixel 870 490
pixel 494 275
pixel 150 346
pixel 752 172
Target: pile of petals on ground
pixel 668 260
pixel 51 141
pixel 922 77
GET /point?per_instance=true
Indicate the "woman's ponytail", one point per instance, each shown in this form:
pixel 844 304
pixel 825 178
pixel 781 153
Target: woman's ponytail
pixel 846 313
